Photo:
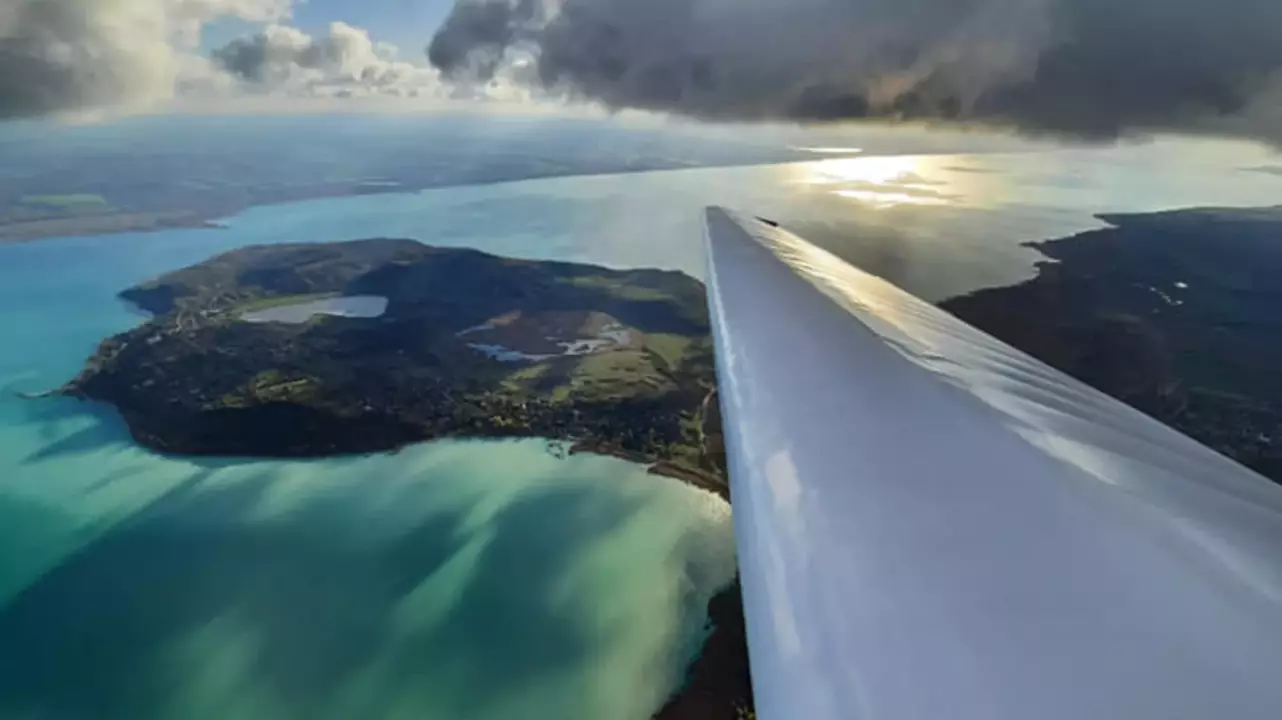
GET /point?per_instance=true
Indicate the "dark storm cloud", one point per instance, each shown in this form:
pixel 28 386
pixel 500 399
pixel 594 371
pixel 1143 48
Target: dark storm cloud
pixel 1081 67
pixel 479 33
pixel 45 54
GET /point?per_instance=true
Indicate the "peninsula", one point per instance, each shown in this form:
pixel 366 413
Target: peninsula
pixel 301 350
pixel 365 346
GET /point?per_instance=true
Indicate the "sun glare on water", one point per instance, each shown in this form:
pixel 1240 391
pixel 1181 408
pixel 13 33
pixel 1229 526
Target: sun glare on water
pixel 881 182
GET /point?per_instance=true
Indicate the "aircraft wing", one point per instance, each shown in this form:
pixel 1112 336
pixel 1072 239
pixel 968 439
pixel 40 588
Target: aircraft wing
pixel 935 526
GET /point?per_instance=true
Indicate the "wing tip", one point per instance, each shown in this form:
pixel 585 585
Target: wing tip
pixel 716 214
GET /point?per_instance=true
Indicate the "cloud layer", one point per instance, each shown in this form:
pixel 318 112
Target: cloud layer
pixel 1082 67
pixel 71 55
pixel 75 56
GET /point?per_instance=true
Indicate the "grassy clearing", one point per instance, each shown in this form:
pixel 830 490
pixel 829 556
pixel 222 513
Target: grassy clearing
pixel 289 391
pixel 519 381
pixel 64 201
pixel 526 374
pixel 616 374
pixel 671 348
pixel 624 292
pixel 275 386
pixel 268 386
pixel 282 300
pixel 692 428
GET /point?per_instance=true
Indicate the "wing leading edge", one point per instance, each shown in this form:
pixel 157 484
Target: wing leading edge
pixel 933 525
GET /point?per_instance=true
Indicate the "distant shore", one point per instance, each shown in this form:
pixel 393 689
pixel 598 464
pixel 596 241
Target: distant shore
pixel 33 230
pixel 177 218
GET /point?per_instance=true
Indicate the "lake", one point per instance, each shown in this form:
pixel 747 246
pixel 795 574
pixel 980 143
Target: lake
pixel 352 306
pixel 453 579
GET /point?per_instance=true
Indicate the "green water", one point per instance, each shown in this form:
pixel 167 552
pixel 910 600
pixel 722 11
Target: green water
pixel 454 580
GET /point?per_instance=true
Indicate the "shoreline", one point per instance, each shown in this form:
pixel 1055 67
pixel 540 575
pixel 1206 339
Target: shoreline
pixel 718 683
pixel 663 467
pixel 112 225
pixel 700 479
pixel 1170 312
pixel 179 219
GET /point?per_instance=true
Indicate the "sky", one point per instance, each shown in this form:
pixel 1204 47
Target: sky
pixel 406 24
pixel 409 24
pixel 1095 69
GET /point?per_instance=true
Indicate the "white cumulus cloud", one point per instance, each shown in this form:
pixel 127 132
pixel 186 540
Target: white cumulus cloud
pixel 343 61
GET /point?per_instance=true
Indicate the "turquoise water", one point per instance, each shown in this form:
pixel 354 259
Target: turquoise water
pixel 452 580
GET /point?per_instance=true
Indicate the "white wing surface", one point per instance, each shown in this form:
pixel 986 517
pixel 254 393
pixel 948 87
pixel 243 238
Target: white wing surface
pixel 935 526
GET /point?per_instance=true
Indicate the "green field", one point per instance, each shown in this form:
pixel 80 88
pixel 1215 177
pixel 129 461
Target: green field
pixel 65 201
pixel 619 290
pixel 671 348
pixel 282 300
pixel 614 375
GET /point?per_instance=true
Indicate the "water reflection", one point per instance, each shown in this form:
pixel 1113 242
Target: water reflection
pixel 880 182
